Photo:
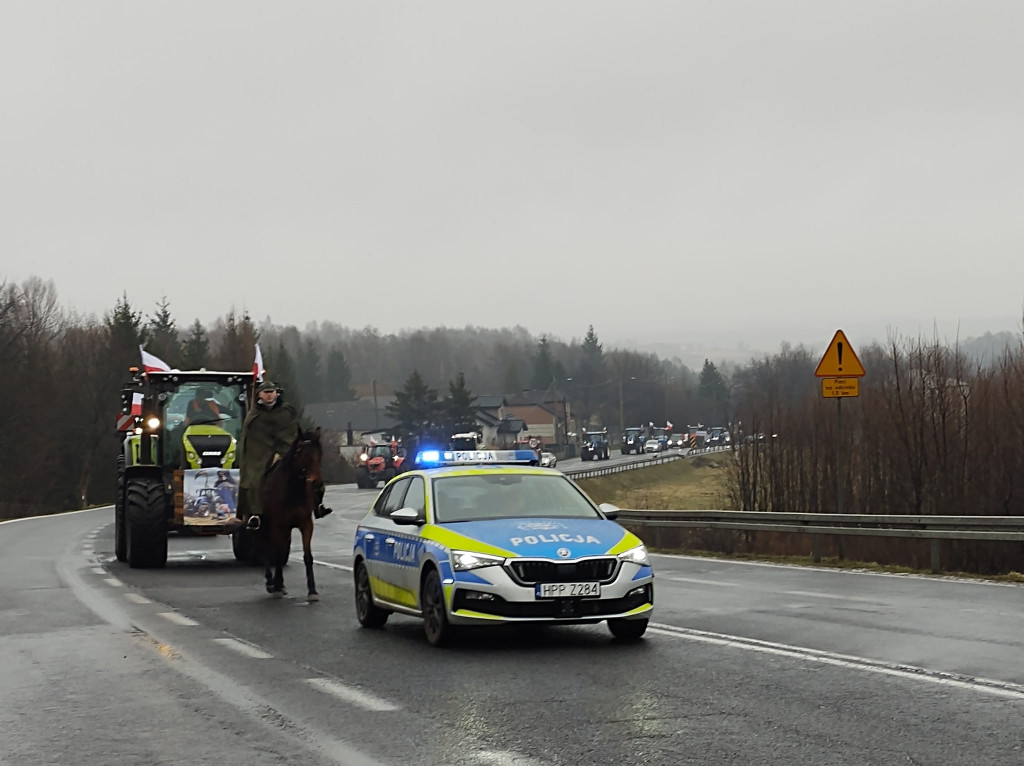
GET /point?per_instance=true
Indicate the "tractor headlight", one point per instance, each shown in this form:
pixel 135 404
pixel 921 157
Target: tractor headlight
pixel 464 560
pixel 637 555
pixel 363 457
pixel 153 423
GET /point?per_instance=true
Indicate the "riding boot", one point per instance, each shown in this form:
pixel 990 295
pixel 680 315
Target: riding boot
pixel 253 522
pixel 322 511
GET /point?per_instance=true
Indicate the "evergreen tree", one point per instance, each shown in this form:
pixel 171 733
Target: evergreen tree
pixel 195 352
pixel 163 334
pixel 281 370
pixel 543 365
pixel 125 333
pixel 338 378
pixel 237 347
pixel 459 413
pixel 310 376
pixel 711 385
pixel 416 412
pixel 589 377
pixel 513 381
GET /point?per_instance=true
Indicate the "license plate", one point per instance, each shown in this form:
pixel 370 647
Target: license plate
pixel 567 590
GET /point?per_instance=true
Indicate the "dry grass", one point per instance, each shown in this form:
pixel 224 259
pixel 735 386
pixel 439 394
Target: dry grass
pixel 696 484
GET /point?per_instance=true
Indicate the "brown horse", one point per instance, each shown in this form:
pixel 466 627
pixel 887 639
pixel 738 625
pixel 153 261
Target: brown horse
pixel 291 490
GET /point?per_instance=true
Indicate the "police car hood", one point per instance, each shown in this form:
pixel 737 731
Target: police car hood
pixel 548 538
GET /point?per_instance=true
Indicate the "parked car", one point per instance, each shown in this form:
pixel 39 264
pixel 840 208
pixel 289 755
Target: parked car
pixel 548 459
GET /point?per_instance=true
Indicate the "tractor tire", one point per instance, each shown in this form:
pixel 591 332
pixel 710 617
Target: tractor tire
pixel 146 524
pixel 244 546
pixel 120 526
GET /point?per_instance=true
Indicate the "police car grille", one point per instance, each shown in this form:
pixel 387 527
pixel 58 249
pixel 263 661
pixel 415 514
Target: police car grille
pixel 588 570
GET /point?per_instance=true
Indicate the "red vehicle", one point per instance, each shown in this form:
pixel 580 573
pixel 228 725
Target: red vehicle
pixel 377 463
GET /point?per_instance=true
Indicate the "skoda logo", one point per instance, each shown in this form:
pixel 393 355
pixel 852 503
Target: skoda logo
pixel 564 553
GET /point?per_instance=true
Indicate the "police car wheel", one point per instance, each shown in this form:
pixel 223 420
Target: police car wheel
pixel 435 616
pixel 627 630
pixel 369 616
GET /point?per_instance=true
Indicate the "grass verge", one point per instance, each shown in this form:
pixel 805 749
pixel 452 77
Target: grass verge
pixel 696 484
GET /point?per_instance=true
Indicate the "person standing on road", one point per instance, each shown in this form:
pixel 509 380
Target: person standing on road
pixel 269 430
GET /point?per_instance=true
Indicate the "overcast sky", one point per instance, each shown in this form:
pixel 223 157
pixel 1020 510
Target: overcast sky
pixel 711 172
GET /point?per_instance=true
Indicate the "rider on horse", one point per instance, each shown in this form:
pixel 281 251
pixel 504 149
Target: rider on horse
pixel 269 430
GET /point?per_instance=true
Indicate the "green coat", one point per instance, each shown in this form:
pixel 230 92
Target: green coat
pixel 264 434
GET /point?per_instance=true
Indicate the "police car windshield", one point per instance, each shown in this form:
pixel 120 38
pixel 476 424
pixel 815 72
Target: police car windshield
pixel 508 495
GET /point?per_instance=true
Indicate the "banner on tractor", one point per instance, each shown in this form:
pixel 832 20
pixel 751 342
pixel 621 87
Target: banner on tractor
pixel 210 495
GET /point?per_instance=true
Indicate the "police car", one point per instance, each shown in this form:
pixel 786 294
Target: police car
pixel 487 537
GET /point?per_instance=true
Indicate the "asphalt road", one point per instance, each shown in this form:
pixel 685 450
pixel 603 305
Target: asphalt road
pixel 744 664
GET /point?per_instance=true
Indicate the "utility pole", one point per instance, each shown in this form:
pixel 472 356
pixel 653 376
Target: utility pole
pixel 622 421
pixel 376 418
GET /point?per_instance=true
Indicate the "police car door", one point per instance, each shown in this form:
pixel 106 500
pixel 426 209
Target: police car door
pixel 392 551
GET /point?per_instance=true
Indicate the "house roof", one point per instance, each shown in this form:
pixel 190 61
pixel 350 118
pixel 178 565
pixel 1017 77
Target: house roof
pixel 511 426
pixel 486 419
pixel 336 416
pixel 489 401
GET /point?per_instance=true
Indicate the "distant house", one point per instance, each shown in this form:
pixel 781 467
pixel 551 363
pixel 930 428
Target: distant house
pixel 357 416
pixel 544 412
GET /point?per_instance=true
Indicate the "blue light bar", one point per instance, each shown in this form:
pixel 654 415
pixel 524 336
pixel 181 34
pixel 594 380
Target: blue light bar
pixel 477 457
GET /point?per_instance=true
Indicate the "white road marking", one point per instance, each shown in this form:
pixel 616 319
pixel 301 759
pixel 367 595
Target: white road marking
pixel 98 570
pixel 137 598
pixel 506 758
pixel 180 619
pixel 113 582
pixel 333 566
pixel 243 648
pixel 56 515
pixel 907 672
pixel 697 581
pixel 836 596
pixel 836 571
pixel 87 550
pixel 349 694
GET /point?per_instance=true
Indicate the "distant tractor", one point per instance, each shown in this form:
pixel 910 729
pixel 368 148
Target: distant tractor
pixel 633 440
pixel 377 463
pixel 595 445
pixel 177 465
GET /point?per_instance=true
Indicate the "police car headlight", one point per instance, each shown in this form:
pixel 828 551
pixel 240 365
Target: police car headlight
pixel 637 555
pixel 463 560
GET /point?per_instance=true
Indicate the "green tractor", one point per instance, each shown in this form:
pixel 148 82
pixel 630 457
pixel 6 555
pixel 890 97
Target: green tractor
pixel 177 471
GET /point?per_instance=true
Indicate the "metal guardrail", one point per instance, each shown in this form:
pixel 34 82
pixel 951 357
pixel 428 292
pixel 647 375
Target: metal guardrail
pixel 934 528
pixel 632 465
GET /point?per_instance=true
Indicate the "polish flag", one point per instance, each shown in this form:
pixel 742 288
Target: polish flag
pixel 669 424
pixel 257 365
pixel 137 404
pixel 152 363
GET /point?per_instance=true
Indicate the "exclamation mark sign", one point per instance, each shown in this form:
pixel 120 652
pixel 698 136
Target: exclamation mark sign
pixel 839 348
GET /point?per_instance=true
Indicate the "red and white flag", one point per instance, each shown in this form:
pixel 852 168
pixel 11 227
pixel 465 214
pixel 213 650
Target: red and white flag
pixel 137 404
pixel 152 363
pixel 669 424
pixel 257 365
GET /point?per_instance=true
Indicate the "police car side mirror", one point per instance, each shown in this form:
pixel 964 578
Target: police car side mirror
pixel 610 511
pixel 406 516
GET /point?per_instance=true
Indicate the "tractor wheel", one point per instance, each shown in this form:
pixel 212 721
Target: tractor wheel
pixel 120 531
pixel 243 545
pixel 146 524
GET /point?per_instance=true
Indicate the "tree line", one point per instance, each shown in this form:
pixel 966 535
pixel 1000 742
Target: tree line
pixel 933 432
pixel 63 372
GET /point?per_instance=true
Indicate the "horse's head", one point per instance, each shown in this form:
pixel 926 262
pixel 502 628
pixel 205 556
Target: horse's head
pixel 308 455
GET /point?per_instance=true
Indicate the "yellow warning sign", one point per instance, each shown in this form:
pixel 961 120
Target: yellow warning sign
pixel 840 360
pixel 836 388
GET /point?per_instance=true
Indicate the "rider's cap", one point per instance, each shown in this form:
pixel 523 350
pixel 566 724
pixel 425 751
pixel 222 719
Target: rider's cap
pixel 267 385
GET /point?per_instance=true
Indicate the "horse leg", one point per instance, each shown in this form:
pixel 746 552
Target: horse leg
pixel 279 581
pixel 306 529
